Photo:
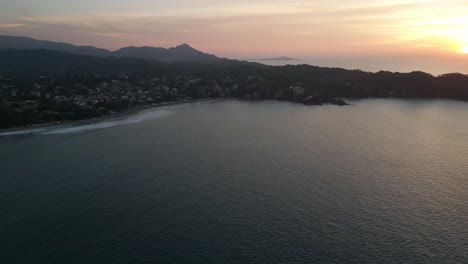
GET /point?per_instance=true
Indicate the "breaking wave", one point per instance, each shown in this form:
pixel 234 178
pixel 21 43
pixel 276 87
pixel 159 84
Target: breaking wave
pixel 139 117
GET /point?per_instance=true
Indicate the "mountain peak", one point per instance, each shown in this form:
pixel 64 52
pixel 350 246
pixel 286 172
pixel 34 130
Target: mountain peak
pixel 184 46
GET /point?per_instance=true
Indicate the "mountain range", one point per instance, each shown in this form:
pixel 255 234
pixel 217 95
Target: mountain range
pixel 181 53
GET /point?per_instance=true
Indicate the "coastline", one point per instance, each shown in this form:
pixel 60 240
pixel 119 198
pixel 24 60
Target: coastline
pixel 111 117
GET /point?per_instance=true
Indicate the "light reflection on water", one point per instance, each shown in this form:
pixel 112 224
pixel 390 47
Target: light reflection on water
pixel 380 181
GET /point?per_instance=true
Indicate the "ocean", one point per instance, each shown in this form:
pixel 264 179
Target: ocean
pixel 379 181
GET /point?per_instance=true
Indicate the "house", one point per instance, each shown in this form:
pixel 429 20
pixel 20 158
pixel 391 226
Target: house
pixel 298 91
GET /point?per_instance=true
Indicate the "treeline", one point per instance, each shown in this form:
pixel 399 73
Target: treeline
pixel 47 113
pixel 334 82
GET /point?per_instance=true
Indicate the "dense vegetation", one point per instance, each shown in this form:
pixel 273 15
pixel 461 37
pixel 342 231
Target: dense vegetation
pixel 23 69
pixel 334 81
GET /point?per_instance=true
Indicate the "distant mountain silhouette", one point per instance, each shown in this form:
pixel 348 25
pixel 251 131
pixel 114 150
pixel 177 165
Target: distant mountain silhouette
pixel 30 62
pixel 182 53
pixel 11 42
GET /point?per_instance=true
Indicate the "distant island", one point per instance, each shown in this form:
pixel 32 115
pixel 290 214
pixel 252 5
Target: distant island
pixel 45 82
pixel 282 58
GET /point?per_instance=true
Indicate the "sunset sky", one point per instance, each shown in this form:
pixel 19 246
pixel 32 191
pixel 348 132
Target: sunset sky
pixel 398 29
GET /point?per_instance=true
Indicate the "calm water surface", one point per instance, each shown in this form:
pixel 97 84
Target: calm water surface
pixel 381 181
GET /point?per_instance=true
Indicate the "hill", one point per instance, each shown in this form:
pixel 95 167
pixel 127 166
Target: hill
pixel 11 42
pixel 269 82
pixel 181 53
pixel 49 62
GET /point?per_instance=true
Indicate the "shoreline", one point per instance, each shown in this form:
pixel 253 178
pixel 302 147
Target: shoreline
pixel 38 128
pixel 95 120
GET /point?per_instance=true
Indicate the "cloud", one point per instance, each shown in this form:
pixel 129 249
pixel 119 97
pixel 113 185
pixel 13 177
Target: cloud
pixel 256 27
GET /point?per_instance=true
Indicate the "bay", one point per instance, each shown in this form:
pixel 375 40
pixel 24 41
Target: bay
pixel 380 181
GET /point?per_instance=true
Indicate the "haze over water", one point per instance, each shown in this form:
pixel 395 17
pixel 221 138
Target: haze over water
pixel 380 181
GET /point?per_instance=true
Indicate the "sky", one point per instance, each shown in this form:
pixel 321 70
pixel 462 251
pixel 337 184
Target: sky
pixel 386 34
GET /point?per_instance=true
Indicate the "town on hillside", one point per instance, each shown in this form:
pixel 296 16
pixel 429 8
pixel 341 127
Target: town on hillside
pixel 82 96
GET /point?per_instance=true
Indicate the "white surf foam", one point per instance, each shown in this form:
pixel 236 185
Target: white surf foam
pixel 24 132
pixel 139 117
pixel 142 116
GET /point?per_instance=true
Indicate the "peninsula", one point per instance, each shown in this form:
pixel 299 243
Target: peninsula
pixel 44 84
